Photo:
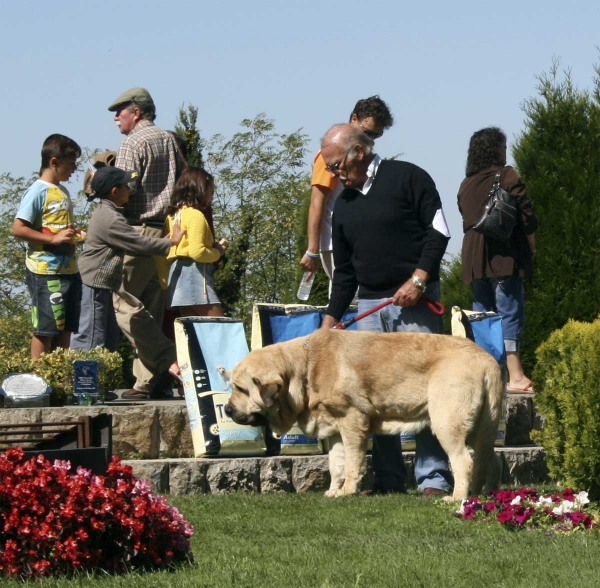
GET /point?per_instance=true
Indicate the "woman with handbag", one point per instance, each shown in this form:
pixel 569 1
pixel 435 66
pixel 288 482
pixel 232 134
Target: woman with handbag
pixel 497 268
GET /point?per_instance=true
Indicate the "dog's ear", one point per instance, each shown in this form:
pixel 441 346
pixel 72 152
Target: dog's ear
pixel 265 393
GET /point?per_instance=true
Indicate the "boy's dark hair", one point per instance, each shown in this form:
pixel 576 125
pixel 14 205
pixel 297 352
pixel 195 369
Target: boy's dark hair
pixel 484 150
pixel 191 190
pixel 373 107
pixel 58 146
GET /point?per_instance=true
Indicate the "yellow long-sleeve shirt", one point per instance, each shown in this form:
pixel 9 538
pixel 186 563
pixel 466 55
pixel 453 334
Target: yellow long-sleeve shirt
pixel 198 240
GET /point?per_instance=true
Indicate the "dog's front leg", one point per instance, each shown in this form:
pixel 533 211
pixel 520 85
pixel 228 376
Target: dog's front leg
pixel 336 465
pixel 354 429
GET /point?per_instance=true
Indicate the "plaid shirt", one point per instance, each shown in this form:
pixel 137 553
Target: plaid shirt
pixel 153 153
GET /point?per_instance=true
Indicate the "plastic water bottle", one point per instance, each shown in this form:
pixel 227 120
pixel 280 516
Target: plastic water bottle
pixel 305 286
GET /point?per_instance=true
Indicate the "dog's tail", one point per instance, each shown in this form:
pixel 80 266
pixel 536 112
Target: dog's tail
pixel 486 464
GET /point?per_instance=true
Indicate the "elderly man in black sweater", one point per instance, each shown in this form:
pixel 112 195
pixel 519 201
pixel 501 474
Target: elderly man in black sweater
pixel 389 237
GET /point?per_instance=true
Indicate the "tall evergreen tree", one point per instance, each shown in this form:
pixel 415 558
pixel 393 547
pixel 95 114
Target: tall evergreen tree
pixel 558 157
pixel 187 128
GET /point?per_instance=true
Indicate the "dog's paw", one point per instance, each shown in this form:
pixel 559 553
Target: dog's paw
pixel 451 499
pixel 335 493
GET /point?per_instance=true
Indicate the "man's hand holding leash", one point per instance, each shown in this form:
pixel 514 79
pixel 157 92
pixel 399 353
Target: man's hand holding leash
pixel 411 291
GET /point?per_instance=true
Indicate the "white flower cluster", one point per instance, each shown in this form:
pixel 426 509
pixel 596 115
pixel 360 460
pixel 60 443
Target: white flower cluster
pixel 580 500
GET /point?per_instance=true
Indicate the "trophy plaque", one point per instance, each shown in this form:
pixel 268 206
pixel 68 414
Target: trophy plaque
pixel 85 381
pixel 24 391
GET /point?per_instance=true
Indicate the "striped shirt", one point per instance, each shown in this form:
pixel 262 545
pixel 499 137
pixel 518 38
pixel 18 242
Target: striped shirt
pixel 153 153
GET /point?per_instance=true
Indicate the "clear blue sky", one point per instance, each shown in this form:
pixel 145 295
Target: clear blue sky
pixel 445 68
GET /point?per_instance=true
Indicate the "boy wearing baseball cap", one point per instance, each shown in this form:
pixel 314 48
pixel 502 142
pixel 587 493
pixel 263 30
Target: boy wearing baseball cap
pixel 109 238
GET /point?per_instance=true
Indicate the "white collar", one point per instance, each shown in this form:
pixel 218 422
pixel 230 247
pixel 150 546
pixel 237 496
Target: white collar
pixel 371 171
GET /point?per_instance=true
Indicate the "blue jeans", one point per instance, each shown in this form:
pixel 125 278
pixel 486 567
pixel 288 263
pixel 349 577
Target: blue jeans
pixel 97 323
pixel 505 296
pixel 431 462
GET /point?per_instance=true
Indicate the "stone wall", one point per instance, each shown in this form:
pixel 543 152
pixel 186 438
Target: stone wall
pixel 144 431
pixel 156 430
pixel 520 467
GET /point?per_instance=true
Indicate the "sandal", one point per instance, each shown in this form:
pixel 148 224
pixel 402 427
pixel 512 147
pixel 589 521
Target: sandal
pixel 176 373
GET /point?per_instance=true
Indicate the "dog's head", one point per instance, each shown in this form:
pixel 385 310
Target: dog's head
pixel 261 394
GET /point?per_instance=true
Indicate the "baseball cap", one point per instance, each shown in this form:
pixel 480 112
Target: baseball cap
pixel 139 95
pixel 108 177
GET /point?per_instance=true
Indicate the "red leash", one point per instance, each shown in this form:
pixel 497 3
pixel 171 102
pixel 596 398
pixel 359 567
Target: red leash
pixel 433 305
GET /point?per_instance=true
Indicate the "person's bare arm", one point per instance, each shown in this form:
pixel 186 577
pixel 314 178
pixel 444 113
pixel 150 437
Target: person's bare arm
pixel 318 197
pixel 531 243
pixel 24 230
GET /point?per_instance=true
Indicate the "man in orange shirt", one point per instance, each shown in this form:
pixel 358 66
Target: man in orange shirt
pixel 373 116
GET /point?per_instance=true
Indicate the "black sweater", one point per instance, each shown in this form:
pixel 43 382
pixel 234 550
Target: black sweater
pixel 381 238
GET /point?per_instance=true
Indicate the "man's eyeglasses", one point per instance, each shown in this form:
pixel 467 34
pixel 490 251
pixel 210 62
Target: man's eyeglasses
pixel 335 167
pixel 369 133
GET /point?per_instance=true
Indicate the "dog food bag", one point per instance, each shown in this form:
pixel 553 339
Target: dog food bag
pixel 275 323
pixel 295 442
pixel 207 349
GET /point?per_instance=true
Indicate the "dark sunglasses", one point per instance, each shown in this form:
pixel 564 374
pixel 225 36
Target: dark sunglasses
pixel 335 167
pixel 370 134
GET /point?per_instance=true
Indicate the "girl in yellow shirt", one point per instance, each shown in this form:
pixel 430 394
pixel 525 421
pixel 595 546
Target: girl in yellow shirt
pixel 191 286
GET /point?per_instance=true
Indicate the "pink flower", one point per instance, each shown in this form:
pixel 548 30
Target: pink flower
pixel 504 517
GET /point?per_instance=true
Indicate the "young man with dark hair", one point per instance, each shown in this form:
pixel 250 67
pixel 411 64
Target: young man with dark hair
pixel 45 221
pixel 372 115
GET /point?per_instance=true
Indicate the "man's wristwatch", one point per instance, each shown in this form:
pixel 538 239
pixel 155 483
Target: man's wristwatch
pixel 418 282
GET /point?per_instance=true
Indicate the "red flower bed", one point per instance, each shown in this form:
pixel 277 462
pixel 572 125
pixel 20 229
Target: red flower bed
pixel 527 509
pixel 54 522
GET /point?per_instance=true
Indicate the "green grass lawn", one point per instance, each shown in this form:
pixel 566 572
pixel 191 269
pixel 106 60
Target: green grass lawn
pixel 306 540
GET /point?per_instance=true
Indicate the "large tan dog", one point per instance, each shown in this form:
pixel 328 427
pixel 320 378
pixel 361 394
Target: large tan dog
pixel 345 385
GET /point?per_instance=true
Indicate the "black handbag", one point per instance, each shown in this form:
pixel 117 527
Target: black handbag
pixel 500 215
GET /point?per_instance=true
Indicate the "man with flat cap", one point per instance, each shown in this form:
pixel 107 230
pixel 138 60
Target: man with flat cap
pixel 139 302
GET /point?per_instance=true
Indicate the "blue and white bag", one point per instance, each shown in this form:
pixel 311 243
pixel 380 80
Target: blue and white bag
pixel 207 347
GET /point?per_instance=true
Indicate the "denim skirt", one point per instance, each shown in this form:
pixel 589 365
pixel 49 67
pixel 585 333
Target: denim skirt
pixel 191 283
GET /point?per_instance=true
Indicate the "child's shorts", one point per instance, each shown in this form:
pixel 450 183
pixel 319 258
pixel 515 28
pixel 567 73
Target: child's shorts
pixel 55 303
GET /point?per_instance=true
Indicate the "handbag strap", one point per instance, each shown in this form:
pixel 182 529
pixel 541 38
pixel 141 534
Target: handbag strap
pixel 495 185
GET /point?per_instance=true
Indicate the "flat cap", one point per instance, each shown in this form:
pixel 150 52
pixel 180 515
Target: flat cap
pixel 139 95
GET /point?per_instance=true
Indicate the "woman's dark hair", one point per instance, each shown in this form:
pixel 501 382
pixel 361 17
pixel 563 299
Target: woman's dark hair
pixel 484 150
pixel 58 146
pixel 191 190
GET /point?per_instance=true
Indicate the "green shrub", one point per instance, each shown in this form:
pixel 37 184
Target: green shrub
pixel 16 333
pixel 57 368
pixel 567 383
